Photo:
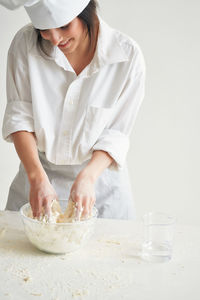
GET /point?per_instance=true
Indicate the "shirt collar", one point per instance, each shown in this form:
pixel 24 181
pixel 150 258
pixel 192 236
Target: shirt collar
pixel 108 51
pixel 108 48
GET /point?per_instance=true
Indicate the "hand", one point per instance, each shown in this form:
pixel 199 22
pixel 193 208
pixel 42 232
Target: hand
pixel 83 193
pixel 41 195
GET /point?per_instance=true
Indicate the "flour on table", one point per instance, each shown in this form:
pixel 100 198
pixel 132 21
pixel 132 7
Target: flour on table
pixel 2 232
pixel 19 271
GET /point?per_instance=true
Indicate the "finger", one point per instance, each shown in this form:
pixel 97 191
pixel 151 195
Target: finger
pixel 86 208
pixel 47 201
pixel 79 207
pixel 72 196
pixel 37 208
pixel 32 204
pixel 71 199
pixel 91 205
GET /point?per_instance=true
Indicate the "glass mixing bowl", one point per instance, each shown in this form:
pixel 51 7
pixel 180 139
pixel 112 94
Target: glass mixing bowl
pixel 58 238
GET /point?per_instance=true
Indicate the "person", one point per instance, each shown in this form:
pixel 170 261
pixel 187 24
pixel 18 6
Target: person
pixel 74 88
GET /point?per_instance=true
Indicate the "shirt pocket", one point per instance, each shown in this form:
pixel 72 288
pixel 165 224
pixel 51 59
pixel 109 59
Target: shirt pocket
pixel 96 120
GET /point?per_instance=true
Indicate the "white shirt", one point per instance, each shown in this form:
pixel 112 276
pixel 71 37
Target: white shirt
pixel 74 115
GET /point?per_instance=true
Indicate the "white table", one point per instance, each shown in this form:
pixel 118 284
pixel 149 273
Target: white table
pixel 109 267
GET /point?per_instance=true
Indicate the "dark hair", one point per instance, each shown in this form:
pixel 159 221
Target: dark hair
pixel 87 16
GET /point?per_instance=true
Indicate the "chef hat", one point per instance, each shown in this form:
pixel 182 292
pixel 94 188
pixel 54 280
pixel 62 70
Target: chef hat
pixel 46 14
pixel 12 4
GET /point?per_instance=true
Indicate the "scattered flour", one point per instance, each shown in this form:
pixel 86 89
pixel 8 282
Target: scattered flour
pixel 2 232
pixel 19 272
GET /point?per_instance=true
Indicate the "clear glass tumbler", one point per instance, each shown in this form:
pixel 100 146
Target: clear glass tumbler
pixel 157 244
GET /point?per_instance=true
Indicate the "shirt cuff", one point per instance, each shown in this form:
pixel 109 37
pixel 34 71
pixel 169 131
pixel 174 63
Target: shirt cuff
pixel 116 144
pixel 18 117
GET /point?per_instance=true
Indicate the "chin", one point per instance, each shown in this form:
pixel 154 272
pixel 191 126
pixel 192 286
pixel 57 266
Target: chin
pixel 70 50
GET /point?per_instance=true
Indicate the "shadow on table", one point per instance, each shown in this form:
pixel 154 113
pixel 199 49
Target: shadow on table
pixel 15 240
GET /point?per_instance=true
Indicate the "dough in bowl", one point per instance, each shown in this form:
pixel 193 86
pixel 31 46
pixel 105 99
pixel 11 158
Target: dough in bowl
pixel 56 216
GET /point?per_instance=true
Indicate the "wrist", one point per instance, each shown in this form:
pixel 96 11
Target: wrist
pixel 37 176
pixel 89 174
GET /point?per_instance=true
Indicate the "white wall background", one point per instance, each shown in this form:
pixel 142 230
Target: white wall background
pixel 164 158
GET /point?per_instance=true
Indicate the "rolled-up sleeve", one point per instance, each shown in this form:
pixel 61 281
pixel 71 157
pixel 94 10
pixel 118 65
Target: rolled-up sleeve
pixel 115 137
pixel 18 113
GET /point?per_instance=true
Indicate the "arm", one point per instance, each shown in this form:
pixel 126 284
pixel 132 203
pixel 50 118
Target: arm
pixel 18 124
pixel 100 160
pixel 26 148
pixel 82 190
pixel 106 150
pixel 125 110
pixel 41 191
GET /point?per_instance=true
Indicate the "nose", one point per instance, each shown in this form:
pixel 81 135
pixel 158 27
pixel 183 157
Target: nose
pixel 55 37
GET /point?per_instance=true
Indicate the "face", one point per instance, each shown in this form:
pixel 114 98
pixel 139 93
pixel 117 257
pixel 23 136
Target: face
pixel 68 37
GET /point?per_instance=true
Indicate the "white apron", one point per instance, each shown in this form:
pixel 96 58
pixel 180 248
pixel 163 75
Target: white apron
pixel 113 191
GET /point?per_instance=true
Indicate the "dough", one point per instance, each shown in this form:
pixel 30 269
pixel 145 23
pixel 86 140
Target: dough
pixel 69 214
pixel 60 232
pixel 56 216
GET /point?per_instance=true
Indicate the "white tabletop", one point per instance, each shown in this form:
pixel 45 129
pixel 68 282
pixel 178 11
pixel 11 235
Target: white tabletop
pixel 109 267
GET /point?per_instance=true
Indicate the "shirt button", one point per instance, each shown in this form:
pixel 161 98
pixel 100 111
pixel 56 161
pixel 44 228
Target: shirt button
pixel 65 133
pixel 71 102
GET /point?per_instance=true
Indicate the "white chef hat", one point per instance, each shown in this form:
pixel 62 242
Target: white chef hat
pixel 12 4
pixel 46 14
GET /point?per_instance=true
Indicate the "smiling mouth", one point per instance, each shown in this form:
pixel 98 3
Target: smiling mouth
pixel 62 45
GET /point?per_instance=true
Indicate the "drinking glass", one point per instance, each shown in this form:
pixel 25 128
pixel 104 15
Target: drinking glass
pixel 158 229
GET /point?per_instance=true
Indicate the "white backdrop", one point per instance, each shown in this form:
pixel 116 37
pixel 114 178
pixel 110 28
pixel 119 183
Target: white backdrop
pixel 164 156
